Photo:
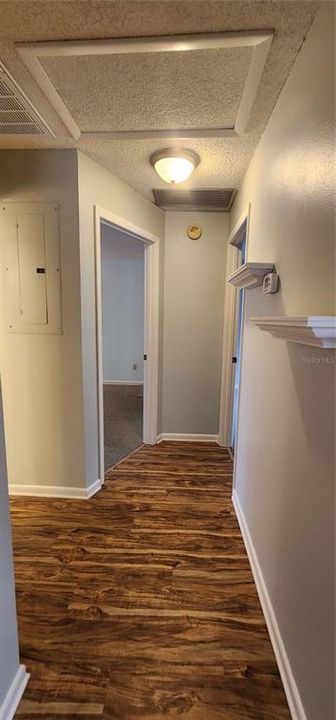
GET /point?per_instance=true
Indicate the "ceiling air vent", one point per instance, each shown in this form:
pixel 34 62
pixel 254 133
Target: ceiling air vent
pixel 17 114
pixel 212 200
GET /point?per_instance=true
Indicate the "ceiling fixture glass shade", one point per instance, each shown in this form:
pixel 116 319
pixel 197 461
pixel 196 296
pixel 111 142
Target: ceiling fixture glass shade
pixel 174 165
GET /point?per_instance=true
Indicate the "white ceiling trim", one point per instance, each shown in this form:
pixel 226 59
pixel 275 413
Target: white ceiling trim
pixel 187 134
pixel 260 41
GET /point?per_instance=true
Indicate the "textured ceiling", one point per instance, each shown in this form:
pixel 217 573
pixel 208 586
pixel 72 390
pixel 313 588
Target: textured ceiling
pixel 154 93
pixel 160 90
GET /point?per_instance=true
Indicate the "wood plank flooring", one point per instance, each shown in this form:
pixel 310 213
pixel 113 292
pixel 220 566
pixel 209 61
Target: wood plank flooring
pixel 140 603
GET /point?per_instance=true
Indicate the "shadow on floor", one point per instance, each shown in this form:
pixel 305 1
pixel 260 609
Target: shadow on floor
pixel 123 410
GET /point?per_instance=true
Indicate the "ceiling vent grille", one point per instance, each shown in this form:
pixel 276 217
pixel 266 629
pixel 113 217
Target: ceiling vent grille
pixel 212 200
pixel 17 114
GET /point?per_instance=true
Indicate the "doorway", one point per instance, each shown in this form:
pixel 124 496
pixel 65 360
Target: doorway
pixel 236 359
pixel 127 316
pixel 122 289
pixel 232 336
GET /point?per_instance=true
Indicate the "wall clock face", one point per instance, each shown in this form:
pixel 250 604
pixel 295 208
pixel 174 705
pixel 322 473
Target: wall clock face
pixel 194 232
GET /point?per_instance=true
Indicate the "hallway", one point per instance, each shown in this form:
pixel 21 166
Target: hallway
pixel 140 602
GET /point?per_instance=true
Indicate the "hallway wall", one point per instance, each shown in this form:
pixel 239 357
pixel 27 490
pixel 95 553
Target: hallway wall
pixel 41 374
pixel 194 281
pixel 285 462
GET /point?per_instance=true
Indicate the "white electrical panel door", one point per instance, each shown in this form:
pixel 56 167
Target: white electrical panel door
pixel 29 234
pixel 32 268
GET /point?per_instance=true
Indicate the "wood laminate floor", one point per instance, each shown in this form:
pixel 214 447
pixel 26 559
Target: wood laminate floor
pixel 140 603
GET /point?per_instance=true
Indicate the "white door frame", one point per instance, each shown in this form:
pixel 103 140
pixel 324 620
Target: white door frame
pixel 151 325
pixel 230 332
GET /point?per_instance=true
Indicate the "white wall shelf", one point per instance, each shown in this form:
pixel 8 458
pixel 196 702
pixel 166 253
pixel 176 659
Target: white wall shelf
pixel 250 275
pixel 317 330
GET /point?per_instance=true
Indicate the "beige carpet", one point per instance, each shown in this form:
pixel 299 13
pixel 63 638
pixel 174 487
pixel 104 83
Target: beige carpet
pixel 123 410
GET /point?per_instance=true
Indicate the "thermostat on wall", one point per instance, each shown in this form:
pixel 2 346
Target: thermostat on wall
pixel 270 283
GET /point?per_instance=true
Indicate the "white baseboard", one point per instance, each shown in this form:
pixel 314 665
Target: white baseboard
pixel 183 437
pixel 287 677
pixel 123 382
pixel 14 695
pixel 93 488
pixel 56 491
pixel 229 449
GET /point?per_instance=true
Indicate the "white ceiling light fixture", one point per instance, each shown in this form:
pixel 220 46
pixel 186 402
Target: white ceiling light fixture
pixel 174 165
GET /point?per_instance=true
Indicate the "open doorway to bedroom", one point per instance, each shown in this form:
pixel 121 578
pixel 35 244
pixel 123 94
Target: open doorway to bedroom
pixel 238 332
pixel 123 332
pixel 127 333
pixel 232 336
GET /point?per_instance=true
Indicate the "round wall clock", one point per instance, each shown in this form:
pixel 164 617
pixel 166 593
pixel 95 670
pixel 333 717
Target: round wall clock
pixel 194 232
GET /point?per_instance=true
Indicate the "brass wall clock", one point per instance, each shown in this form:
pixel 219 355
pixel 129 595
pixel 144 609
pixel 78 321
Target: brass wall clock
pixel 194 232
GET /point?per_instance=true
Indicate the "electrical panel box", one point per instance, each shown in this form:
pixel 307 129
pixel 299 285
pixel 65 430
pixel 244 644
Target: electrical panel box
pixel 29 234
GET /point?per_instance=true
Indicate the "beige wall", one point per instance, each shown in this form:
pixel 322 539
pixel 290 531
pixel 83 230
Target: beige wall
pixel 98 187
pixel 41 374
pixel 284 465
pixel 194 281
pixel 9 646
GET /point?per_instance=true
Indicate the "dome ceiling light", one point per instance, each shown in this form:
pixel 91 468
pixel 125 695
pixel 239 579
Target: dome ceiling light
pixel 174 165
